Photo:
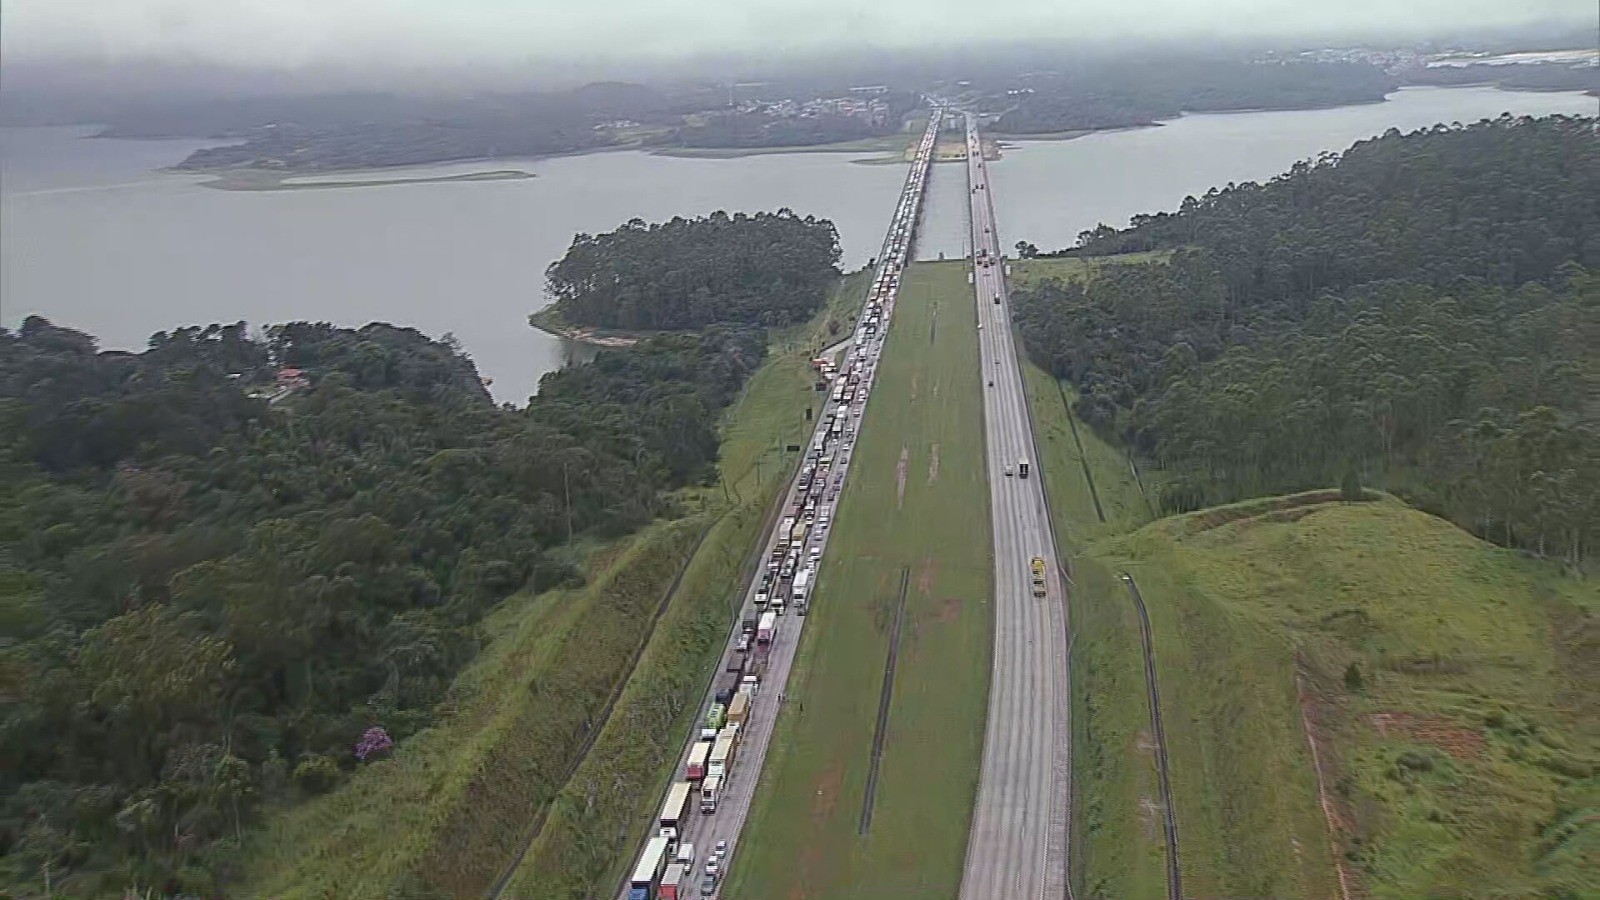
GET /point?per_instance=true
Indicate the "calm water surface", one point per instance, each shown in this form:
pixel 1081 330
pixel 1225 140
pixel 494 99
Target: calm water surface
pixel 93 236
pixel 1048 191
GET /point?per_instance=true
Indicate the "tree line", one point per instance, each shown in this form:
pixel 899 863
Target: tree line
pixel 765 269
pixel 759 129
pixel 211 599
pixel 1418 313
pixel 1141 92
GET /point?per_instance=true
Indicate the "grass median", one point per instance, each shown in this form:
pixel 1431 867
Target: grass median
pixel 917 502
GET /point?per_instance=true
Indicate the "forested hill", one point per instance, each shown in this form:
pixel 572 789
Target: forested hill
pixel 766 269
pixel 1140 92
pixel 1507 200
pixel 209 597
pixel 1415 313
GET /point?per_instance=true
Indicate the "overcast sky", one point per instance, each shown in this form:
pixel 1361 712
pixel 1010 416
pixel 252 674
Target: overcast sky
pixel 294 33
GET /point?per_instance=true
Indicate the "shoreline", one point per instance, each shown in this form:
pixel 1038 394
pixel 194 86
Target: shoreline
pixel 545 321
pixel 875 151
pixel 1073 134
pixel 265 180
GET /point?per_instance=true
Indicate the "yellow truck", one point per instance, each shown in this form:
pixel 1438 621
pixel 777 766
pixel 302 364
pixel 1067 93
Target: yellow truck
pixel 1037 566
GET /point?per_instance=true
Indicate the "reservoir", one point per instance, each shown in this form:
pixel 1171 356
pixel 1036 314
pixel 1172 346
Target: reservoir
pixel 94 236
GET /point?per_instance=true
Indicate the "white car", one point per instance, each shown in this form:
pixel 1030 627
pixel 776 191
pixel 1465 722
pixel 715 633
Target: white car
pixel 1008 471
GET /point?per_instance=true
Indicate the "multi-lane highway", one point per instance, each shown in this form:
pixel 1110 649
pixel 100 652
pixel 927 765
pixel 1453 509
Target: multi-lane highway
pixel 1017 847
pixel 808 503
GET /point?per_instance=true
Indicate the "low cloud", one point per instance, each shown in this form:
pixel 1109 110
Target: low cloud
pixel 498 33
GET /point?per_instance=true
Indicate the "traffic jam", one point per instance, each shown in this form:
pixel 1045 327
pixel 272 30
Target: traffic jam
pixel 689 848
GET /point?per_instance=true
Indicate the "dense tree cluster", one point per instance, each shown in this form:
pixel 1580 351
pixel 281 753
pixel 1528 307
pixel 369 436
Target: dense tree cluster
pixel 759 129
pixel 209 599
pixel 370 145
pixel 1142 92
pixel 1519 77
pixel 361 130
pixel 1416 312
pixel 766 269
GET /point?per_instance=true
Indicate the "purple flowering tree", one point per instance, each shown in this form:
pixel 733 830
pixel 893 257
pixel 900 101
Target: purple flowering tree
pixel 376 740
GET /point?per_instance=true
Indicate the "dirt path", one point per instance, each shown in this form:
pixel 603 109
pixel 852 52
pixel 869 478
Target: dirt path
pixel 900 479
pixel 1329 812
pixel 933 465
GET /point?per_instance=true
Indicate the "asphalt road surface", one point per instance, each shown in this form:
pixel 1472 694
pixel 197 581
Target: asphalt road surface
pixel 726 823
pixel 1017 847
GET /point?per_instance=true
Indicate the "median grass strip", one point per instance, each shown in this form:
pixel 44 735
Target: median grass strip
pixel 802 839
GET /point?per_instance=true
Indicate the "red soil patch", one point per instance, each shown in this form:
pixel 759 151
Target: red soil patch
pixel 900 478
pixel 949 612
pixel 1276 509
pixel 1313 710
pixel 1434 731
pixel 824 797
pixel 825 792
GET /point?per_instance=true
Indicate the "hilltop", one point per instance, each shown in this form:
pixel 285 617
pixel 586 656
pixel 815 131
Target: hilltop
pixel 1449 686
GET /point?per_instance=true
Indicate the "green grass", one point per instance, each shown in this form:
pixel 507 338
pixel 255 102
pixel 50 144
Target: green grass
pixel 1118 849
pixel 1482 781
pixel 802 838
pixel 1027 272
pixel 1068 447
pixel 457 792
pixel 1475 788
pixel 451 808
pixel 604 811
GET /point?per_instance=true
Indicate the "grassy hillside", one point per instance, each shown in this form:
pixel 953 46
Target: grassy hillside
pixel 444 811
pixel 1026 273
pixel 1458 759
pixel 453 806
pixel 603 811
pixel 916 507
pixel 1461 764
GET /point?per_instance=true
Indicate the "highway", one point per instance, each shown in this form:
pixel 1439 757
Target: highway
pixel 811 497
pixel 1017 846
